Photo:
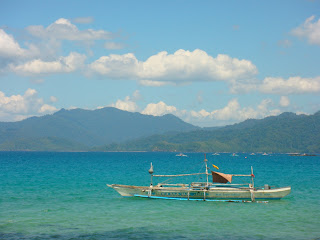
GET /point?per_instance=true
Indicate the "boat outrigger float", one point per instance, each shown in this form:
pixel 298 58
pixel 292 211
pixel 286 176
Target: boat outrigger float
pixel 218 190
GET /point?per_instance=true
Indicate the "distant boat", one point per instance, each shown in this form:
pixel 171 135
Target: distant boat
pixel 301 154
pixel 234 155
pixel 215 154
pixel 265 154
pixel 218 190
pixel 252 154
pixel 181 155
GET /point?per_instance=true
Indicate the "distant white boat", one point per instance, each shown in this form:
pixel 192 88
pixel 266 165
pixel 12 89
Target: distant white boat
pixel 234 155
pixel 252 154
pixel 215 154
pixel 181 155
pixel 218 190
pixel 265 154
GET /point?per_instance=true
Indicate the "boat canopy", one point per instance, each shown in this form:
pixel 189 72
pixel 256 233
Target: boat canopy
pixel 218 177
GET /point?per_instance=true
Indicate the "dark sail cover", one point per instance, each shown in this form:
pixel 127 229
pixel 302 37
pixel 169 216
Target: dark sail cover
pixel 218 177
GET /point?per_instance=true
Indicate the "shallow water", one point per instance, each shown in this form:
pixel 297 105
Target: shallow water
pixel 64 196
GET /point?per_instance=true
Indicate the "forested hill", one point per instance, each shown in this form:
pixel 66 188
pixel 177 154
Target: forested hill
pixel 287 132
pixel 79 129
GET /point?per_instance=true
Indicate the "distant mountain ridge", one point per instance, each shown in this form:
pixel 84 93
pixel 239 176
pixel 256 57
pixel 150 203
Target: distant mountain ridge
pixel 287 132
pixel 111 129
pixel 79 127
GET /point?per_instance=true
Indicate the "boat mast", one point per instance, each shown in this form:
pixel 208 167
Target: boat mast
pixel 205 160
pixel 151 173
pixel 252 176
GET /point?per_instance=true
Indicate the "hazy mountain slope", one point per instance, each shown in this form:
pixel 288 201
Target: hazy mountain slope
pixel 43 144
pixel 90 127
pixel 287 132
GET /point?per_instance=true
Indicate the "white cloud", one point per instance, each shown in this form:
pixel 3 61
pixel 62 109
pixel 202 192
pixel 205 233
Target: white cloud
pixel 284 101
pixel 266 108
pixel 114 45
pixel 8 46
pixel 126 105
pixel 62 65
pixel 129 103
pixel 158 109
pixel 231 113
pixel 291 85
pixel 45 108
pixel 182 66
pixel 12 52
pixel 150 83
pixel 201 114
pixel 63 29
pixel 309 29
pixel 18 107
pixel 116 66
pixel 194 66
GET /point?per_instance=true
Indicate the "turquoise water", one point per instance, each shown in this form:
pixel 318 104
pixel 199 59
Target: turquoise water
pixel 64 196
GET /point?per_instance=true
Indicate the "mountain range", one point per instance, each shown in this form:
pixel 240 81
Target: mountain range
pixel 285 133
pixel 80 129
pixel 111 129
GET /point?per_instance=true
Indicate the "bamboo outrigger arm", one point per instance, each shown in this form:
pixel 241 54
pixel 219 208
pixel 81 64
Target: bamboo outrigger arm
pixel 179 175
pixel 190 174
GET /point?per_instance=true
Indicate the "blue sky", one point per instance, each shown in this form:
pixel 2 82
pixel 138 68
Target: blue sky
pixel 208 62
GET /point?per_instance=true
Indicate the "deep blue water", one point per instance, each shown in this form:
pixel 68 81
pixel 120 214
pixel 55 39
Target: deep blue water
pixel 64 196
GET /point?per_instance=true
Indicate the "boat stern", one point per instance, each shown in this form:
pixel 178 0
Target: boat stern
pixel 275 193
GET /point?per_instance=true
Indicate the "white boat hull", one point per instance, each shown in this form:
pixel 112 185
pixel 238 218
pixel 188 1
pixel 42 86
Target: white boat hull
pixel 214 193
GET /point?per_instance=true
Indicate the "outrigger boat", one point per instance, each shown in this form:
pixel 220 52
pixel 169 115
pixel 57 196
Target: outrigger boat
pixel 218 190
pixel 181 155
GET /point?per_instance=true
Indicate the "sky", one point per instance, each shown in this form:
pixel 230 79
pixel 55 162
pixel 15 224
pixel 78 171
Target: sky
pixel 210 63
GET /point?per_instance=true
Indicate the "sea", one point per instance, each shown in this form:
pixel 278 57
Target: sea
pixel 56 195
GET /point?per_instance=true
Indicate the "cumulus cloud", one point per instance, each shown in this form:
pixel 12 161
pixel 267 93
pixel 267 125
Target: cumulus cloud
pixel 18 107
pixel 158 109
pixel 129 103
pixel 116 66
pixel 200 114
pixel 310 30
pixel 63 29
pixel 197 65
pixel 291 85
pixel 9 47
pixel 233 112
pixel 62 65
pixel 45 108
pixel 12 52
pixel 182 66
